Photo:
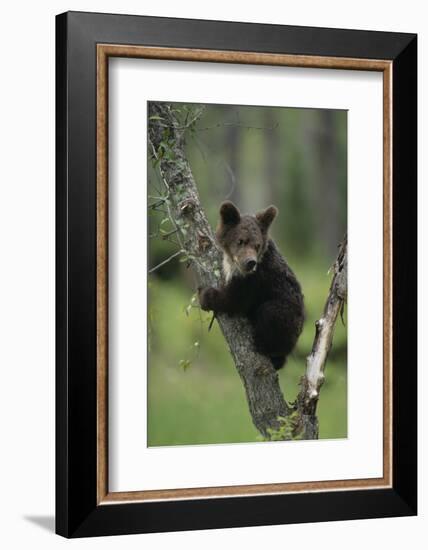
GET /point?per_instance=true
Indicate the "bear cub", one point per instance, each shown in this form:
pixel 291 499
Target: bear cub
pixel 258 283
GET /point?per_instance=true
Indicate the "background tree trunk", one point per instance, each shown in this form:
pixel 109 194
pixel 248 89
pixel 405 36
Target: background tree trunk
pixel 267 405
pixel 325 146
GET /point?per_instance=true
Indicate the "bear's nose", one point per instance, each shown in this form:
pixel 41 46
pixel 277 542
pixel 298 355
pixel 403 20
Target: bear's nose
pixel 250 265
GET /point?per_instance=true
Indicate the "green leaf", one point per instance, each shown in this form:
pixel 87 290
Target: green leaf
pixel 184 364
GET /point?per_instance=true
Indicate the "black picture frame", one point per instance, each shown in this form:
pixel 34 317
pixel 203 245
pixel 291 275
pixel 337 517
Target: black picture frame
pixel 77 511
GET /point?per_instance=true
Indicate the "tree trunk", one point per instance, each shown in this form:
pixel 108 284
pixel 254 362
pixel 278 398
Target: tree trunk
pixel 267 405
pixel 327 152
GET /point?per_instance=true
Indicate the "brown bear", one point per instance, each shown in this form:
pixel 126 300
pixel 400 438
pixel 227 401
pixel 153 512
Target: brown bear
pixel 258 283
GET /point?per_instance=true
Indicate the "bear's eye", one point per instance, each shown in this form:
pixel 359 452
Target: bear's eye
pixel 257 247
pixel 240 242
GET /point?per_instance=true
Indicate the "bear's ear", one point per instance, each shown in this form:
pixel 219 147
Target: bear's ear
pixel 266 217
pixel 229 214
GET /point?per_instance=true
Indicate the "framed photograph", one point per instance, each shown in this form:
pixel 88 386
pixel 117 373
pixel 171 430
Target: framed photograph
pixel 236 274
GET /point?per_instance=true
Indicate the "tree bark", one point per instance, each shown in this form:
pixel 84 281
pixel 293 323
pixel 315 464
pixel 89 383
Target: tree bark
pixel 267 405
pixel 313 379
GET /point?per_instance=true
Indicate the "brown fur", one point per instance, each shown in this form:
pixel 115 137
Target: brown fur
pixel 259 284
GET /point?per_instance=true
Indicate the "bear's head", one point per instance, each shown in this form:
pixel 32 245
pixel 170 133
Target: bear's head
pixel 243 238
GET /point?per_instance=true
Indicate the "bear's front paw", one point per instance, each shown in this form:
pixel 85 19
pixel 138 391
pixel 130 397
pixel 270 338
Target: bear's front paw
pixel 207 298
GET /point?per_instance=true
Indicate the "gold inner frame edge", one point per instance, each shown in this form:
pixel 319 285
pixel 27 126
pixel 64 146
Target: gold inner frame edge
pixel 104 51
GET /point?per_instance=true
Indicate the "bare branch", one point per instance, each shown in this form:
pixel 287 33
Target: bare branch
pixel 155 205
pixel 324 330
pixel 166 261
pixel 238 125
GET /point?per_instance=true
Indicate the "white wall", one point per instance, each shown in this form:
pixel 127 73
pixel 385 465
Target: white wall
pixel 27 270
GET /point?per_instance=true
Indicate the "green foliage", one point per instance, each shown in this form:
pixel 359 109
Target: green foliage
pixel 288 428
pixel 184 364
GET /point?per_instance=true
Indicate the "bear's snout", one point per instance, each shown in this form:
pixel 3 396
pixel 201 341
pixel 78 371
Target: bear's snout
pixel 250 265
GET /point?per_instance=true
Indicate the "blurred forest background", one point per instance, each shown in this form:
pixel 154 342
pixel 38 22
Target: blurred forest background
pixel 254 156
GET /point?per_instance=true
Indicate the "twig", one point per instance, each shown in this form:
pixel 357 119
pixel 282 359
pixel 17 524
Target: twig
pixel 237 125
pixel 165 236
pixel 166 261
